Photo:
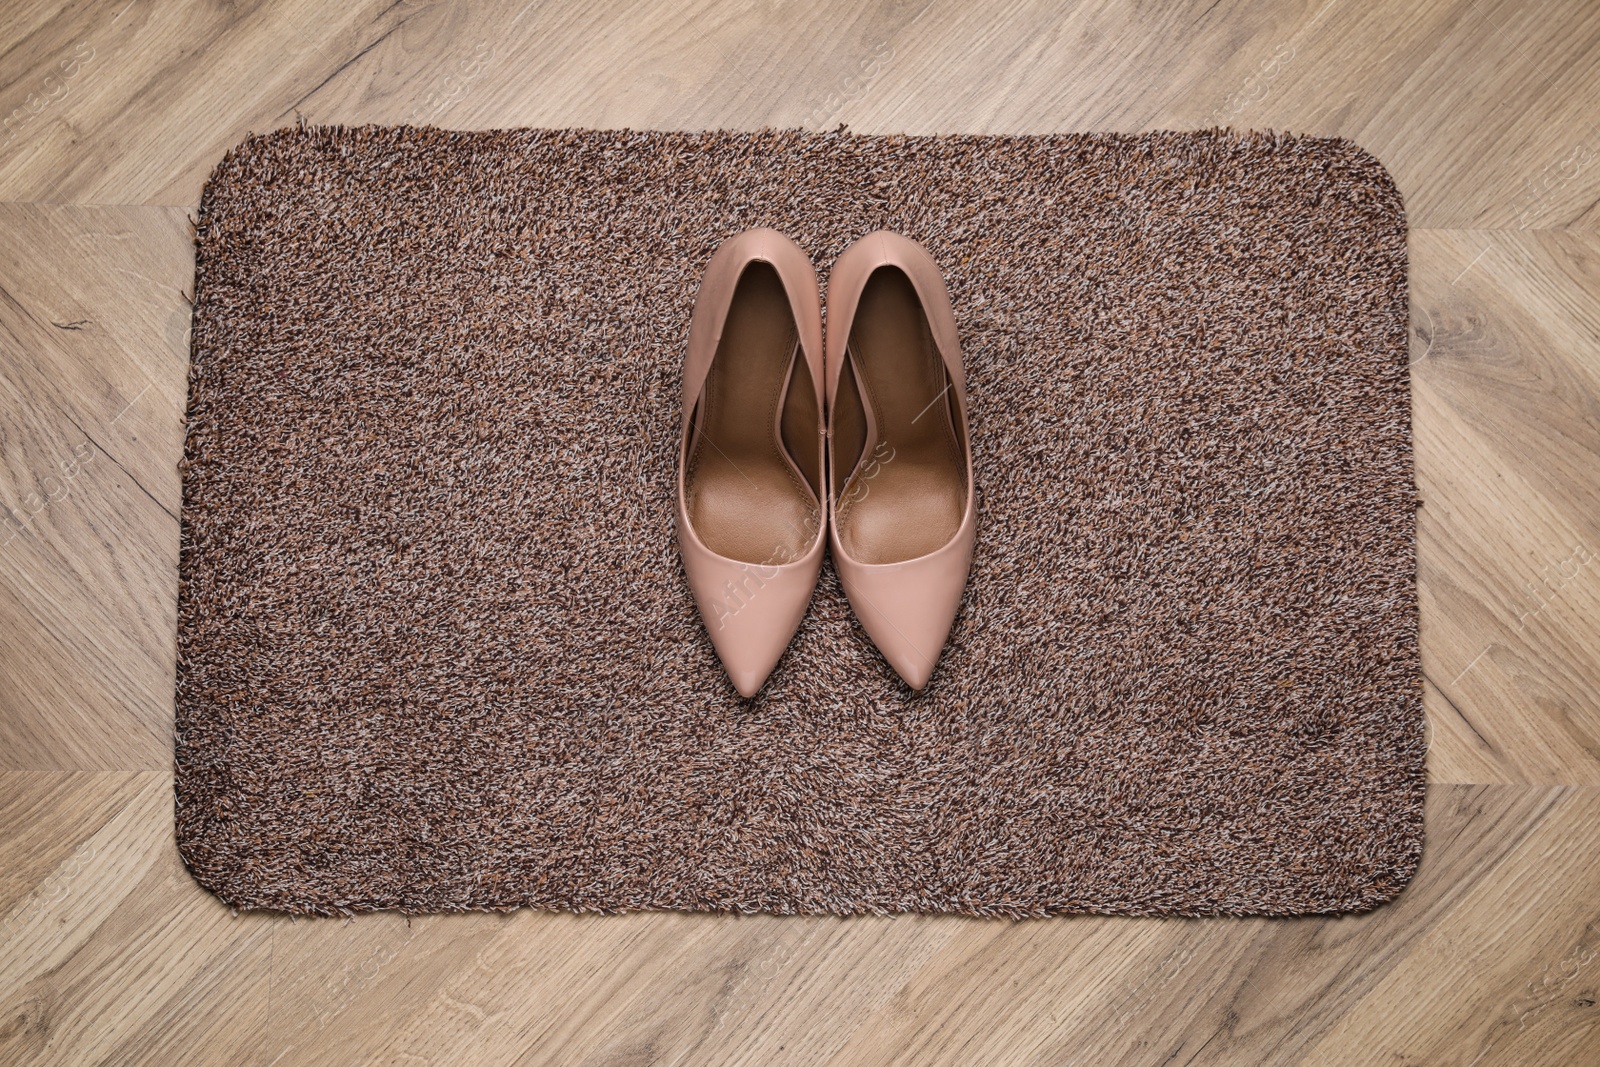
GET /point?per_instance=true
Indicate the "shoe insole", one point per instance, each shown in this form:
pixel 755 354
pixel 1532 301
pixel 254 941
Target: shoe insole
pixel 745 496
pixel 907 495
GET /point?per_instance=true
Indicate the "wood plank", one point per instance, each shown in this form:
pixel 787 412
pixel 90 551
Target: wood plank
pixel 118 956
pixel 94 319
pixel 47 817
pixel 1499 928
pixel 1506 381
pixel 1520 956
pixel 94 325
pixel 1511 146
pixel 1221 991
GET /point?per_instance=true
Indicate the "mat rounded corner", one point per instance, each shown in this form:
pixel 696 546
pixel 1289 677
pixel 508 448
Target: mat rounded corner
pixel 1366 162
pixel 1388 884
pixel 220 883
pixel 251 145
pixel 1387 892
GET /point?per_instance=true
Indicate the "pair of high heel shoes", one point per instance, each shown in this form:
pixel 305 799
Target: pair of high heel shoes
pixel 774 424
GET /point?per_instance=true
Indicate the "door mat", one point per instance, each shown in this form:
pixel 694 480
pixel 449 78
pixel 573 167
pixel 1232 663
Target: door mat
pixel 436 649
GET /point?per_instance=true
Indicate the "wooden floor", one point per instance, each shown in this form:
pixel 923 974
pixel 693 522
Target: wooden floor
pixel 1486 111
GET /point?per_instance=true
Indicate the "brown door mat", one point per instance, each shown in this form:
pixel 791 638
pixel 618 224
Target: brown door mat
pixel 436 650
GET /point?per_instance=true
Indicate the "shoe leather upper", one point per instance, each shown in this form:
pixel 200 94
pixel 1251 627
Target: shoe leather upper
pixel 751 608
pixel 906 607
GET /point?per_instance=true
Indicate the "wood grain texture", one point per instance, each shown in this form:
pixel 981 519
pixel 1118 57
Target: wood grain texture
pixel 114 113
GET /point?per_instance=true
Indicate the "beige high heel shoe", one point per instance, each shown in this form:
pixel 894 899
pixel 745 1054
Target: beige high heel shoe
pixel 902 513
pixel 751 459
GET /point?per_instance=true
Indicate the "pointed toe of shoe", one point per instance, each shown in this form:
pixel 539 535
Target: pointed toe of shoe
pixel 751 627
pixel 751 611
pixel 908 608
pixel 909 629
pixel 913 670
pixel 748 679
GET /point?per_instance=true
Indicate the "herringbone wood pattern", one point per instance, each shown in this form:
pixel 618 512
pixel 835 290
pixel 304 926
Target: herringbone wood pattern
pixel 114 113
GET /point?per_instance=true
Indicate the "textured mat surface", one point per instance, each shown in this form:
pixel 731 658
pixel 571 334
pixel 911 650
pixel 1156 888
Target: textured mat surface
pixel 435 646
